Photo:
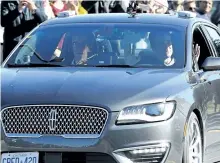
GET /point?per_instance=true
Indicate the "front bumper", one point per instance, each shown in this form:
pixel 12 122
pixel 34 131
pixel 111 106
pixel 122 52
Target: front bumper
pixel 113 142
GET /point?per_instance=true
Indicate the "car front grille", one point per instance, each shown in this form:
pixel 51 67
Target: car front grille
pixel 59 120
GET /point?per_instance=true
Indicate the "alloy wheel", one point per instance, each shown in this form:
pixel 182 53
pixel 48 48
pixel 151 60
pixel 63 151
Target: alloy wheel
pixel 194 139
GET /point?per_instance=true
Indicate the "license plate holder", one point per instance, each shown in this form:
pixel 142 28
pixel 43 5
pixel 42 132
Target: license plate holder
pixel 21 157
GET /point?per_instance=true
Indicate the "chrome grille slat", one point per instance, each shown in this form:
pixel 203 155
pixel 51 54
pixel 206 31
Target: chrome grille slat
pixel 71 120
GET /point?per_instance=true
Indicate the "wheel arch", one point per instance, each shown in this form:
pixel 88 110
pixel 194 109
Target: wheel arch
pixel 199 116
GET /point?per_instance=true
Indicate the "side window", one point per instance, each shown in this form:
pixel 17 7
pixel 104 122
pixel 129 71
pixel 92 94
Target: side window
pixel 204 52
pixel 215 38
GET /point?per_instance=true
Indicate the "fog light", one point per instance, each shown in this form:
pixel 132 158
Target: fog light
pixel 146 150
pixel 151 153
pixel 152 150
pixel 140 151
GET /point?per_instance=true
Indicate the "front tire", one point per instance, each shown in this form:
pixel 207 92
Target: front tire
pixel 193 152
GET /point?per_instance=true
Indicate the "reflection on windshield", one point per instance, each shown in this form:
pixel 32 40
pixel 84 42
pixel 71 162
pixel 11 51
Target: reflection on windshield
pixel 135 45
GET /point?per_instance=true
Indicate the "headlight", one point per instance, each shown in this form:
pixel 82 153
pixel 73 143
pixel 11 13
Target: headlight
pixel 146 113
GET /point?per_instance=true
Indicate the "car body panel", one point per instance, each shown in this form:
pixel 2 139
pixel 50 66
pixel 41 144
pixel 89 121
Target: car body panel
pixel 74 85
pixel 115 89
pixel 115 138
pixel 212 96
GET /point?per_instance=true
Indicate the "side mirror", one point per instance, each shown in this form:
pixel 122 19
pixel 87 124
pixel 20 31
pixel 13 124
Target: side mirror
pixel 211 63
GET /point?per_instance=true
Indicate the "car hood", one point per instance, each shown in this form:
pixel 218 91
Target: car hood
pixel 112 88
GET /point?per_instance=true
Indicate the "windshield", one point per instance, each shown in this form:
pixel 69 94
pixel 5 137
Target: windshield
pixel 137 45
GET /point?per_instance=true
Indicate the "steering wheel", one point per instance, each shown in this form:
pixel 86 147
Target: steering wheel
pixel 152 58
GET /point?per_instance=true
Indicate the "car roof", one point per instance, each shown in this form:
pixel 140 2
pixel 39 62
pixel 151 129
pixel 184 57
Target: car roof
pixel 162 19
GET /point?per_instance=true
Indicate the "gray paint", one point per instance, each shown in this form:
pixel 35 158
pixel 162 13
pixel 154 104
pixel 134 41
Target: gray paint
pixel 114 89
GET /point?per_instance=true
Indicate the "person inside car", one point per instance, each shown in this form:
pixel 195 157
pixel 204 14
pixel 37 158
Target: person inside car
pixel 162 47
pixel 84 47
pixel 80 50
pixel 195 55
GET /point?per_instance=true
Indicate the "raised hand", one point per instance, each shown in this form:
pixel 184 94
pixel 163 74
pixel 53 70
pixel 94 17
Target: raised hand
pixel 196 52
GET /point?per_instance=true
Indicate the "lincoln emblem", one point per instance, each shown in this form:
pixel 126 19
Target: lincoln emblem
pixel 52 120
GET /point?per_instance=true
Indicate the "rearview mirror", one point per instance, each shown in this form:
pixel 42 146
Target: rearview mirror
pixel 211 63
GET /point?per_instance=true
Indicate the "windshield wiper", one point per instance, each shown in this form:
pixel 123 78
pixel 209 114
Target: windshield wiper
pixel 115 65
pixel 35 65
